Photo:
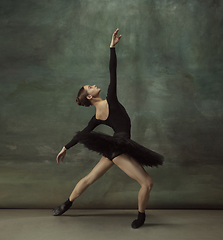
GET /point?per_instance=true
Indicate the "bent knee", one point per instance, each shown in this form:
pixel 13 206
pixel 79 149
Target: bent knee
pixel 148 183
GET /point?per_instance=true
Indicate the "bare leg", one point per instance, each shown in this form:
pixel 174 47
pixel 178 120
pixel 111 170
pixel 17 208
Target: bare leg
pixel 103 165
pixel 134 170
pixel 98 171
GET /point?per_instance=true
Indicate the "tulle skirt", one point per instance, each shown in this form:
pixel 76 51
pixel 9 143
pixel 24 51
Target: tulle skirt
pixel 119 143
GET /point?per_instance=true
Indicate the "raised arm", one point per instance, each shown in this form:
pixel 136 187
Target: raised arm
pixel 112 89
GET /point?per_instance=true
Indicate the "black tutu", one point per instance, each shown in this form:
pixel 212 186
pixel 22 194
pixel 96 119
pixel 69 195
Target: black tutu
pixel 113 146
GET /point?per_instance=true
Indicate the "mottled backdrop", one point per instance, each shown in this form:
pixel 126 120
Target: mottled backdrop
pixel 169 79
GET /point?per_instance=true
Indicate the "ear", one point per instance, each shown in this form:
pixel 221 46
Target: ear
pixel 89 97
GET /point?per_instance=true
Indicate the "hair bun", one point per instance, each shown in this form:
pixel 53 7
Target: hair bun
pixel 78 101
pixel 82 98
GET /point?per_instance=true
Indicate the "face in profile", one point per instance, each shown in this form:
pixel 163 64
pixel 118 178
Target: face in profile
pixel 92 90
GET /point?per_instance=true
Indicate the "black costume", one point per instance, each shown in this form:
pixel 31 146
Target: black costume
pixel 119 121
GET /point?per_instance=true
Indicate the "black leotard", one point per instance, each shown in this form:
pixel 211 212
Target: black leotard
pixel 118 118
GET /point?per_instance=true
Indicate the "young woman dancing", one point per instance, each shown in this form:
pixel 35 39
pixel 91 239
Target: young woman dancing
pixel 118 149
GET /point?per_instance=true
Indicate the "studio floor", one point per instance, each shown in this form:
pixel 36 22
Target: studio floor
pixel 26 224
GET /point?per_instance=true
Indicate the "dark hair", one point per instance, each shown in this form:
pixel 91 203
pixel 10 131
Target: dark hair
pixel 82 98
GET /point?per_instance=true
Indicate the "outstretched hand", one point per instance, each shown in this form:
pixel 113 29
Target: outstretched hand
pixel 62 154
pixel 115 40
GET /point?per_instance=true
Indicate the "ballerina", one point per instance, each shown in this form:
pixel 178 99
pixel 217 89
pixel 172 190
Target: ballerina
pixel 118 149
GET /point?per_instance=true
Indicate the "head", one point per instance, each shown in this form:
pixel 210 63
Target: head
pixel 87 94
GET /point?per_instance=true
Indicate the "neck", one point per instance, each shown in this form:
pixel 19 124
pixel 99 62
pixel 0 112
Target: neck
pixel 97 101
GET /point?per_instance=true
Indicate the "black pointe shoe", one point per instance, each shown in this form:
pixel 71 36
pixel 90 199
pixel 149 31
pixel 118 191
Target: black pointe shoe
pixel 137 223
pixel 62 208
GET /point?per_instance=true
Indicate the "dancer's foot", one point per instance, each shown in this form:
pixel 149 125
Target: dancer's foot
pixel 139 221
pixel 62 208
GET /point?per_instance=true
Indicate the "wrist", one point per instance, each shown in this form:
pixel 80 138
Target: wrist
pixel 112 45
pixel 64 148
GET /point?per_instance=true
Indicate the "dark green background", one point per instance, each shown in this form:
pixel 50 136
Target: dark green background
pixel 169 79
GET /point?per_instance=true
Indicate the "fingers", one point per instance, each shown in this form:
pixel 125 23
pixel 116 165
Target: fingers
pixel 61 154
pixel 116 39
pixel 58 158
pixel 116 32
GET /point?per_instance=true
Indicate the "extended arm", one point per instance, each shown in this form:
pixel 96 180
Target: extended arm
pixel 91 125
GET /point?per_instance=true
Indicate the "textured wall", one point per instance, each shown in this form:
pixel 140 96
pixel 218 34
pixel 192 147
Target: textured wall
pixel 169 79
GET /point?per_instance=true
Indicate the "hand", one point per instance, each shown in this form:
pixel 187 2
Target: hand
pixel 115 40
pixel 62 154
